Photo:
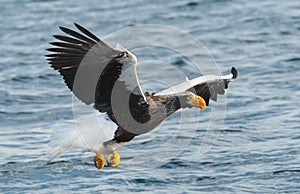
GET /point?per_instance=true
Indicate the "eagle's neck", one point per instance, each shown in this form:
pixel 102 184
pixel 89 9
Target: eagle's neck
pixel 166 104
pixel 172 104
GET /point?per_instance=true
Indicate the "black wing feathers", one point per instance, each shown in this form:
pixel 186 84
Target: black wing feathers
pixel 101 69
pixel 211 90
pixel 69 52
pixel 77 35
pixel 86 32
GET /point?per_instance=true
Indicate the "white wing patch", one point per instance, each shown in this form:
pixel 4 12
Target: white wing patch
pixel 129 73
pixel 191 83
pixel 120 48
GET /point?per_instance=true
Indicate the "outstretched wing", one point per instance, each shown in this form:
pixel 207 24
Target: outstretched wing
pixel 91 69
pixel 208 86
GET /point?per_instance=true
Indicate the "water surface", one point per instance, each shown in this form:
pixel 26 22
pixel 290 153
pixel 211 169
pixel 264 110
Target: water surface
pixel 257 149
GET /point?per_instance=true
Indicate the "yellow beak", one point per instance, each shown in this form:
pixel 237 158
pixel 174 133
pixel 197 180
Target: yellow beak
pixel 198 102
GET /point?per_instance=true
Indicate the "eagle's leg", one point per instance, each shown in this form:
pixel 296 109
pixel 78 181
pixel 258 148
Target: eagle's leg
pixel 99 160
pixel 121 136
pixel 114 159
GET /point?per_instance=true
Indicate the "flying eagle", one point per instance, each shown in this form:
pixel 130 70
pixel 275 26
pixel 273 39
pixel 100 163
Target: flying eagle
pixel 106 78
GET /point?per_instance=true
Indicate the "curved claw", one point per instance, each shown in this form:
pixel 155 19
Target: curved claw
pixel 114 159
pixel 99 160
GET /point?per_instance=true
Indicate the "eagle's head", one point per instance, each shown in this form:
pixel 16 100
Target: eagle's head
pixel 189 99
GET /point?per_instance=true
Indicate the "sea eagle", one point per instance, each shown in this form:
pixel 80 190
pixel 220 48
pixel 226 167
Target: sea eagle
pixel 106 78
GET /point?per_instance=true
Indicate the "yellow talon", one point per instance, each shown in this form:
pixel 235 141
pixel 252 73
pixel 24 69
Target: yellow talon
pixel 113 160
pixel 99 160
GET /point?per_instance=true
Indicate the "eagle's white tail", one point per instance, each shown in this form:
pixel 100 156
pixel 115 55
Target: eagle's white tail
pixel 87 133
pixel 62 140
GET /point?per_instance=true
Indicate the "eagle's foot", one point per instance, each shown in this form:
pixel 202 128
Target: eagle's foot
pixel 114 159
pixel 99 160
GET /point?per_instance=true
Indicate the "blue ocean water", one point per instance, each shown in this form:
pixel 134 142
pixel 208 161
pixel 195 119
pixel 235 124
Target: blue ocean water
pixel 257 147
